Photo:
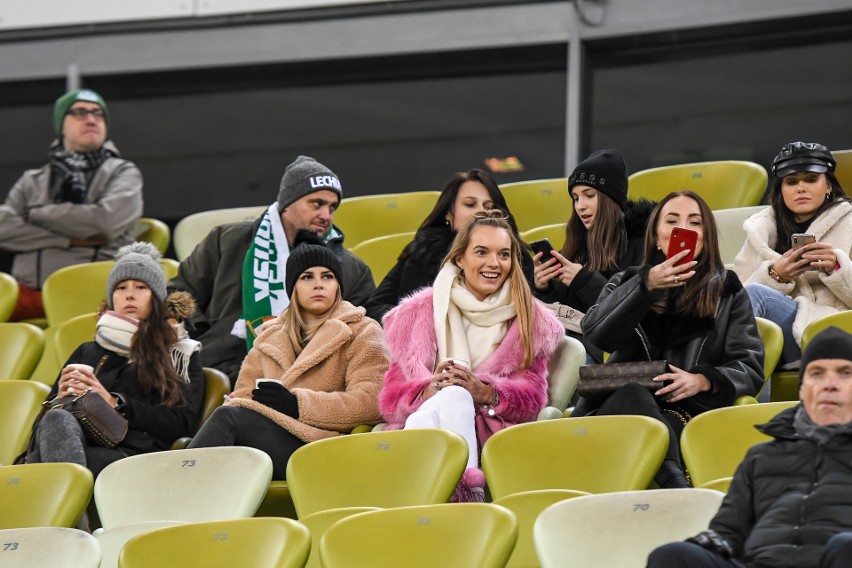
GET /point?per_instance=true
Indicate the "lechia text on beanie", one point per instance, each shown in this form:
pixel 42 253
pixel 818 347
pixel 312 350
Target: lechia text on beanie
pixel 318 182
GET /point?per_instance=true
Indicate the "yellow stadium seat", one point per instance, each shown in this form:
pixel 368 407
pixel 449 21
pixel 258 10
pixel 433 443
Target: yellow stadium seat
pixel 20 403
pixel 449 534
pixel 43 494
pixel 79 289
pixel 842 320
pixel 155 232
pixel 21 348
pixel 380 253
pixel 320 521
pixel 48 546
pixel 268 542
pixel 553 233
pixel 527 506
pixel 49 365
pixel 8 295
pixel 113 540
pixel 370 216
pixel 729 223
pixel 70 334
pixel 595 454
pixel 216 386
pixel 715 442
pixel 723 184
pixel 620 530
pixel 376 469
pixel 843 171
pixel 192 485
pixel 192 229
pixel 539 202
pixel 563 374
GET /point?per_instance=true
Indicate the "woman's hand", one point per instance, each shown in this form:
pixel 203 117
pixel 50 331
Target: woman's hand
pixel 683 385
pixel 819 256
pixel 667 275
pixel 568 271
pixel 453 374
pixel 543 273
pixel 75 380
pixel 791 265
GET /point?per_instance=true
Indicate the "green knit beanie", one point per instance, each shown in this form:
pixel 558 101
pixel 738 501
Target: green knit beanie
pixel 63 103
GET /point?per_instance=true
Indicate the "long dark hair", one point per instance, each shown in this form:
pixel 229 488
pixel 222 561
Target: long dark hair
pixel 150 352
pixel 700 296
pixel 597 248
pixel 785 221
pixel 447 200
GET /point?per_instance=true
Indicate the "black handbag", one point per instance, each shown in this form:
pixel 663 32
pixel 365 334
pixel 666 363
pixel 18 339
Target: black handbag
pixel 597 381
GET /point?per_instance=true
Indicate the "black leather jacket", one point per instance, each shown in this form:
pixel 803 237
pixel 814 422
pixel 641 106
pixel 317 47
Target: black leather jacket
pixel 726 348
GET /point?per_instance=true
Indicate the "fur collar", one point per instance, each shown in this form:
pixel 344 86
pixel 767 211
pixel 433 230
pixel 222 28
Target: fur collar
pixel 430 245
pixel 636 215
pixel 410 337
pixel 761 231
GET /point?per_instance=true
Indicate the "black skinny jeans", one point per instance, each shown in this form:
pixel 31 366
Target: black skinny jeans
pixel 237 426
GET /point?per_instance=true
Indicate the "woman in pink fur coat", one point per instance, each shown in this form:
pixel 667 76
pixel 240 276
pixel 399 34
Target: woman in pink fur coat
pixel 470 354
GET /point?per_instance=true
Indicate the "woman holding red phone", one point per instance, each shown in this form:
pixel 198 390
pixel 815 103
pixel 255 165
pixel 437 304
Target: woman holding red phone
pixel 695 315
pixel 604 235
pixel 795 285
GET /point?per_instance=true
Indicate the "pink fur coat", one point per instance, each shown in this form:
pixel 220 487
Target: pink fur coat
pixel 412 347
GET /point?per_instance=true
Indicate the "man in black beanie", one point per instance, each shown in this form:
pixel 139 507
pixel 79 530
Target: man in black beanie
pixel 238 272
pixel 789 503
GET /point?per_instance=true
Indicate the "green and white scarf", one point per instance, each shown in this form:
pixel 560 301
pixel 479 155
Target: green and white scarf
pixel 264 296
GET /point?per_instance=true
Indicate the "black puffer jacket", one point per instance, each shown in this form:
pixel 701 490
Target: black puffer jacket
pixel 417 267
pixel 788 497
pixel 726 348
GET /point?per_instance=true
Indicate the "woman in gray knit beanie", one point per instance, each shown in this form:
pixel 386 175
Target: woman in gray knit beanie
pixel 141 363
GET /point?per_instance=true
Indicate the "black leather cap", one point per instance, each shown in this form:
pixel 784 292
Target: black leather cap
pixel 803 157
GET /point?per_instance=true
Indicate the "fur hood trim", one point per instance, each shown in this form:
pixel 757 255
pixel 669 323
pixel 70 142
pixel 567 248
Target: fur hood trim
pixel 430 244
pixel 636 215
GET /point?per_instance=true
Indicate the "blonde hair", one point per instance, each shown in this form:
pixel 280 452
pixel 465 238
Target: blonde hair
pixel 299 331
pixel 518 286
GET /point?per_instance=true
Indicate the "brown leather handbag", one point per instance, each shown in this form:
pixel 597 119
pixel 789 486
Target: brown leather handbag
pixel 101 422
pixel 597 381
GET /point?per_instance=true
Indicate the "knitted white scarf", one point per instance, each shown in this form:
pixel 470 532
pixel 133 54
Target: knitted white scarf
pixel 115 332
pixel 465 327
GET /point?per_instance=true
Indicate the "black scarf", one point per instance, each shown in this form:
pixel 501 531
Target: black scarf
pixel 74 169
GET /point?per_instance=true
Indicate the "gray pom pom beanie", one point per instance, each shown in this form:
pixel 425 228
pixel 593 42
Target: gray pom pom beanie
pixel 138 261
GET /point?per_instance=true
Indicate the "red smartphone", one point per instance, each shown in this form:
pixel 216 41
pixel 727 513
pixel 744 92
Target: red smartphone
pixel 682 239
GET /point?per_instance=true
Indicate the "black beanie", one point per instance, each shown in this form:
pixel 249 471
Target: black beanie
pixel 309 250
pixel 830 343
pixel 604 171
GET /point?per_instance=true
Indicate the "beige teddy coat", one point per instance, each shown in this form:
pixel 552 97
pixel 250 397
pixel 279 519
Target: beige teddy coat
pixel 336 378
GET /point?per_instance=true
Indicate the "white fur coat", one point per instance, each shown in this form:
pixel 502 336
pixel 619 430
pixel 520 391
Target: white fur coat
pixel 817 294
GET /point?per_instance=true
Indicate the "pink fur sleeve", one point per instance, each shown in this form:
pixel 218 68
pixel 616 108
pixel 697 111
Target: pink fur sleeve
pixel 400 396
pixel 523 393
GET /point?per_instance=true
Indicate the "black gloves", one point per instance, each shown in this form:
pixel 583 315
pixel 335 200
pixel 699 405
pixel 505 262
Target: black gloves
pixel 277 397
pixel 712 542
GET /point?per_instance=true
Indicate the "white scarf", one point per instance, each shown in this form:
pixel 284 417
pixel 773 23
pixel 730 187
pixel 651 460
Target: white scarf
pixel 467 328
pixel 115 332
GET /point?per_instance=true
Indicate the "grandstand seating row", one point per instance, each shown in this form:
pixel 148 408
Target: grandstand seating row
pixel 529 467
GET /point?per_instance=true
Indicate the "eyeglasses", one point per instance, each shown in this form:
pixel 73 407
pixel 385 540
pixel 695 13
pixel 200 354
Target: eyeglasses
pixel 82 113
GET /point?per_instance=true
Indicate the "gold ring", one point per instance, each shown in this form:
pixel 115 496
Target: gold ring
pixel 677 278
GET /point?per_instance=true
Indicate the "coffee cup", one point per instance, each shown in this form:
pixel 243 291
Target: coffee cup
pixel 258 381
pixel 459 362
pixel 80 367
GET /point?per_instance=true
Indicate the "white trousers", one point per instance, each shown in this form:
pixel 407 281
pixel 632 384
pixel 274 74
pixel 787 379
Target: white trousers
pixel 452 409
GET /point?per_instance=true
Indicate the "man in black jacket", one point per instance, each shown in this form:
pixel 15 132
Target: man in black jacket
pixel 790 502
pixel 236 274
